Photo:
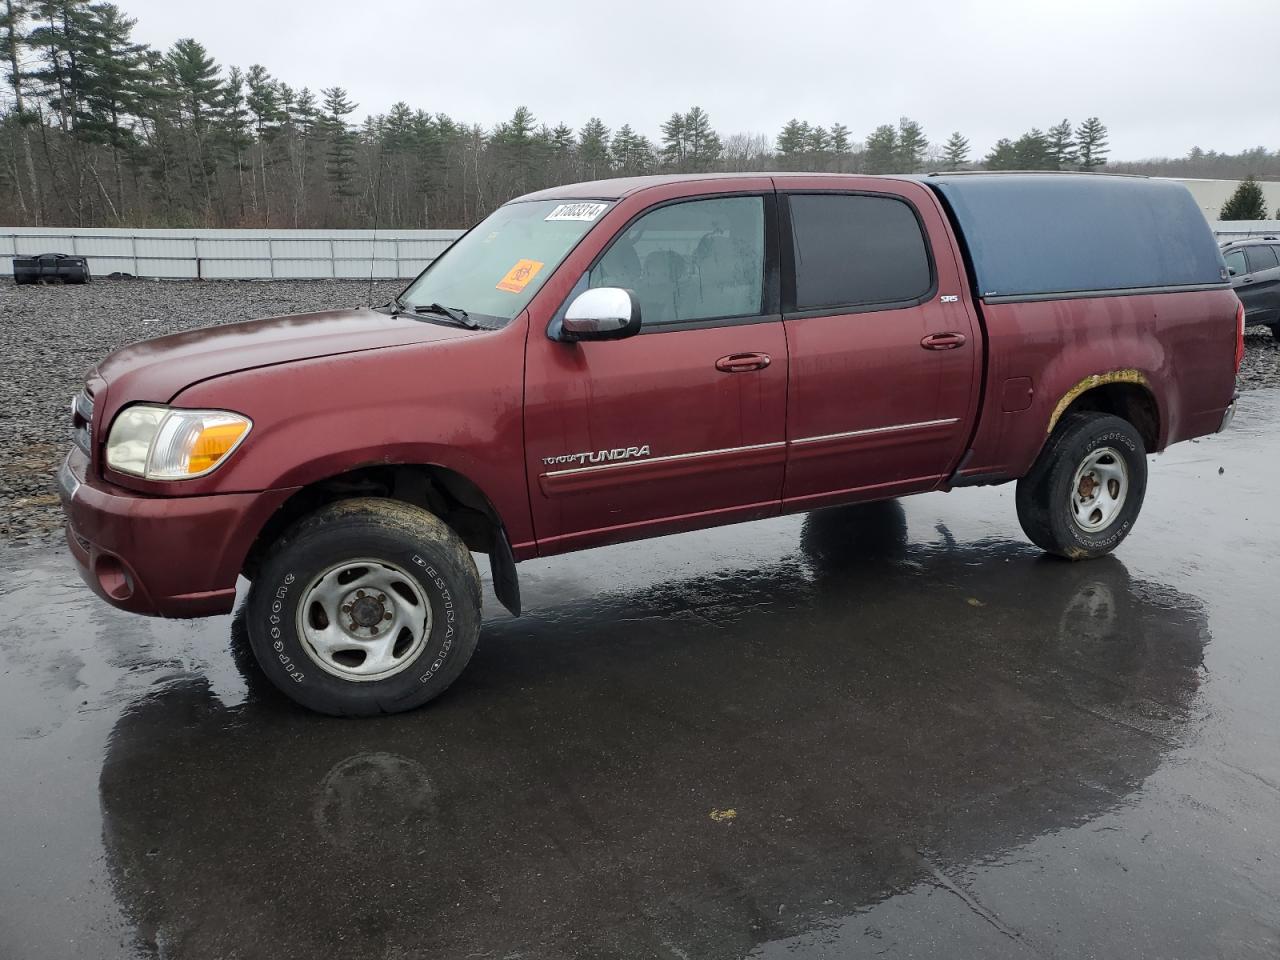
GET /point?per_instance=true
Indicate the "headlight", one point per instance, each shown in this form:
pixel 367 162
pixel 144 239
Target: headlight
pixel 164 444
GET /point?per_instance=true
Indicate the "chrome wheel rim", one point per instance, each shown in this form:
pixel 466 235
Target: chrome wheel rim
pixel 364 620
pixel 1099 489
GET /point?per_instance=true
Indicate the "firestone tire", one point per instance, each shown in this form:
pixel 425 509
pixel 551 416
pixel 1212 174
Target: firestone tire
pixel 367 606
pixel 1084 492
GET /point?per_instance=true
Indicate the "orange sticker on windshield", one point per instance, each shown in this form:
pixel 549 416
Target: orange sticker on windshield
pixel 518 277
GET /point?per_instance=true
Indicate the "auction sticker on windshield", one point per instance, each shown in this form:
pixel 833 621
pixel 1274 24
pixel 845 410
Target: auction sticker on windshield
pixel 518 277
pixel 577 211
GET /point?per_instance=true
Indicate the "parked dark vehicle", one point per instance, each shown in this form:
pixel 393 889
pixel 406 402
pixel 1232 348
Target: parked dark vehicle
pixel 1254 266
pixel 623 359
pixel 51 268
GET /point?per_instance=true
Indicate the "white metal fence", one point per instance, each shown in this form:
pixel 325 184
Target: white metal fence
pixel 288 254
pixel 1238 229
pixel 234 254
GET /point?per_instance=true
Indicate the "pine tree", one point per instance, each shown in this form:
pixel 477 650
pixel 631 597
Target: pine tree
pixel 674 141
pixel 839 138
pixel 340 160
pixel 703 143
pixel 563 140
pixel 233 129
pixel 64 39
pixel 518 149
pixel 955 152
pixel 1091 144
pixel 631 153
pixel 563 150
pixel 840 146
pixel 13 17
pixel 1247 203
pixel 882 155
pixel 1003 156
pixel 1032 151
pixel 116 80
pixel 1062 145
pixel 593 149
pixel 793 139
pixel 268 112
pixel 912 145
pixel 818 142
pixel 197 83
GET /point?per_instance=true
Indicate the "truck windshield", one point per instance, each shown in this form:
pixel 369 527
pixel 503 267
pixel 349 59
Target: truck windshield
pixel 494 271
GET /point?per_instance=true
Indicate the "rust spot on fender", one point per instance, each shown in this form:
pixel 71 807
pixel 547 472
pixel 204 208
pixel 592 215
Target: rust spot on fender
pixel 1088 383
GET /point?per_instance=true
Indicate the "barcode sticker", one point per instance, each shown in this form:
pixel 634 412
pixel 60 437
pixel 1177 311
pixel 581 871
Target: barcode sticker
pixel 577 211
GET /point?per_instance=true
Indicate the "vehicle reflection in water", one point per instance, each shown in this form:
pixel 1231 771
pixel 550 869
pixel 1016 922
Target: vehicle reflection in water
pixel 870 708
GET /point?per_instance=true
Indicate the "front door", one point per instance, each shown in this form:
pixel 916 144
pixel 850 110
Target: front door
pixel 683 424
pixel 885 353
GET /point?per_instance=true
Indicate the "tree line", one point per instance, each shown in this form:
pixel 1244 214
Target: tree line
pixel 100 130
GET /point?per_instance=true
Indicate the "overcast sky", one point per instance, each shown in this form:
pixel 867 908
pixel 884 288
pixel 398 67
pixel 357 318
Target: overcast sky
pixel 1162 75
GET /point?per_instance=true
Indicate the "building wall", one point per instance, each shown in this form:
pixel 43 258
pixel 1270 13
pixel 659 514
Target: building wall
pixel 1212 194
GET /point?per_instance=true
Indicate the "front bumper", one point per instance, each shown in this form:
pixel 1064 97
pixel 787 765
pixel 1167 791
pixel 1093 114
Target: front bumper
pixel 160 556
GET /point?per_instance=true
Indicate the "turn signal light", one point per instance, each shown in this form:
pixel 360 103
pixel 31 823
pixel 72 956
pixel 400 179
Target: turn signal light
pixel 213 443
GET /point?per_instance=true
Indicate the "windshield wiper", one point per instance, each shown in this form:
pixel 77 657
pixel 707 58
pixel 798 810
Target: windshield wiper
pixel 456 314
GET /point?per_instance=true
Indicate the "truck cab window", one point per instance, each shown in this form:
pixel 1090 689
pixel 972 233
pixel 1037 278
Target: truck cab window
pixel 698 260
pixel 1236 264
pixel 854 250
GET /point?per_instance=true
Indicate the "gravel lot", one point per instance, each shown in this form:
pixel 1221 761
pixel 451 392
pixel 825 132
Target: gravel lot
pixel 53 335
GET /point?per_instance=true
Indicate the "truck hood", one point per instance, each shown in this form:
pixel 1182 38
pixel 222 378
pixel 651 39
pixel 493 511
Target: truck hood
pixel 157 370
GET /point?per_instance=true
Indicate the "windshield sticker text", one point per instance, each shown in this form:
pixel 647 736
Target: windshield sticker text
pixel 598 456
pixel 577 211
pixel 518 277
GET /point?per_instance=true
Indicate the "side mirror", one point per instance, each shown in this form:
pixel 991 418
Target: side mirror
pixel 1231 271
pixel 605 313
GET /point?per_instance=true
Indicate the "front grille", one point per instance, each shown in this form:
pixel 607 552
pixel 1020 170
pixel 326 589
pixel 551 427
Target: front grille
pixel 82 422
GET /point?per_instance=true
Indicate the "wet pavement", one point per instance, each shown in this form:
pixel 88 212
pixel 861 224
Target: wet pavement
pixel 894 730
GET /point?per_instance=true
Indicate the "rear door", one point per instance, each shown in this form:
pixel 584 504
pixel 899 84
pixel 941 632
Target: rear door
pixel 1262 284
pixel 884 348
pixel 682 425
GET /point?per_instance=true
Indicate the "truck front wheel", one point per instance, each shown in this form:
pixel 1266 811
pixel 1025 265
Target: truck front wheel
pixel 1084 492
pixel 367 606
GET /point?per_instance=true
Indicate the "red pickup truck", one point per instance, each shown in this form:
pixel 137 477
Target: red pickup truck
pixel 628 358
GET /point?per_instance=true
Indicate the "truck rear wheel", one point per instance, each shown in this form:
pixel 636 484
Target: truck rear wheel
pixel 367 606
pixel 1084 492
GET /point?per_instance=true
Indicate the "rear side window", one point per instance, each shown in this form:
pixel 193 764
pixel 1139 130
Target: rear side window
pixel 1235 263
pixel 857 250
pixel 695 260
pixel 1261 258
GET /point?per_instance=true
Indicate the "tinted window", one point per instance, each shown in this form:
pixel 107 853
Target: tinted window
pixel 1261 258
pixel 857 250
pixel 1235 263
pixel 698 260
